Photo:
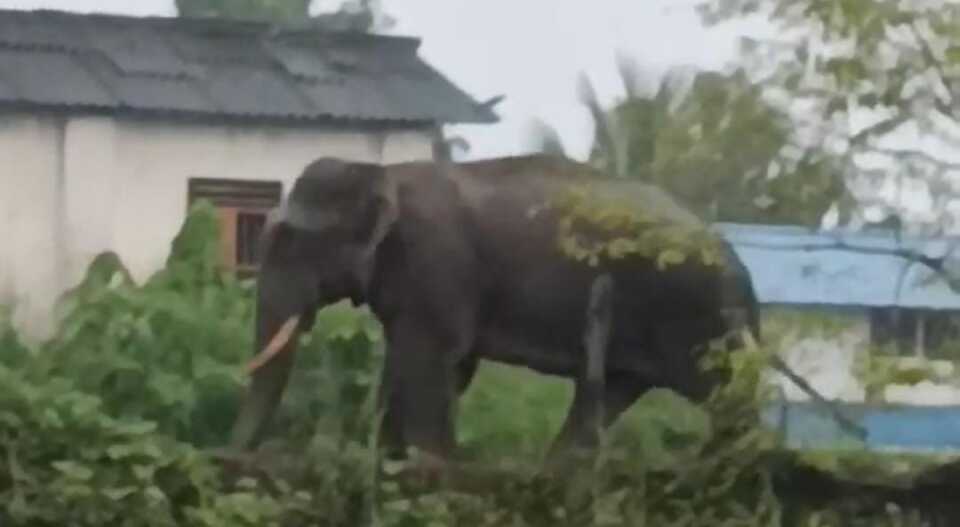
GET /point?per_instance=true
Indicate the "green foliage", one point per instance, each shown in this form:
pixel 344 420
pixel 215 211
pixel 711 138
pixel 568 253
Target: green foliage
pixel 896 60
pixel 102 423
pixel 503 411
pixel 360 16
pixel 259 10
pixel 878 370
pixel 64 458
pixel 594 229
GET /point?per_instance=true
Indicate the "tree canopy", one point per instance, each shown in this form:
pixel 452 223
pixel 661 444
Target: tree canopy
pixel 843 113
pixel 260 10
pixel 870 88
pixel 354 15
pixel 709 139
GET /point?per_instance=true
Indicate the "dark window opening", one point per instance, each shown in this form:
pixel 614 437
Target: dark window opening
pixel 913 331
pixel 893 328
pixel 249 227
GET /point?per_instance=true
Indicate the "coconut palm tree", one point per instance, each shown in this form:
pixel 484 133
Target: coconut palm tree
pixel 709 138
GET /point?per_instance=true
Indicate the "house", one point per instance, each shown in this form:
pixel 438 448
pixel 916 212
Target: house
pixel 856 276
pixel 876 297
pixel 880 299
pixel 111 126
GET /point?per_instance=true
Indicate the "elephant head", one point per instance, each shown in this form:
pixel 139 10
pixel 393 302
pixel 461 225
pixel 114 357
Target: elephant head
pixel 318 247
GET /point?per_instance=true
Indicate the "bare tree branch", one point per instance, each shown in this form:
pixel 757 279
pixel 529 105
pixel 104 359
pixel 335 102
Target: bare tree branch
pixel 882 127
pixel 916 155
pixel 935 263
pixel 932 61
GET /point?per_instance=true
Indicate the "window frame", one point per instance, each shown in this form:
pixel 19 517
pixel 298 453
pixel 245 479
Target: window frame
pixel 231 198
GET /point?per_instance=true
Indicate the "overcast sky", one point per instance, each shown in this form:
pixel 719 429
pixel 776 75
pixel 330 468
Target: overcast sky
pixel 531 51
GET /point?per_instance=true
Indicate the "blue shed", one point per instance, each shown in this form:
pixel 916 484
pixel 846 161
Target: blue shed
pixel 859 273
pixel 904 302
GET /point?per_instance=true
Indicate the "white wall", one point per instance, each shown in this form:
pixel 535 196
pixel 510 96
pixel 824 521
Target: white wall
pixel 73 188
pixel 31 189
pixel 828 362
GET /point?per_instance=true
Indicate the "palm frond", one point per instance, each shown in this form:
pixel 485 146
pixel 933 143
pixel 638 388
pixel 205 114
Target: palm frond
pixel 611 138
pixel 546 139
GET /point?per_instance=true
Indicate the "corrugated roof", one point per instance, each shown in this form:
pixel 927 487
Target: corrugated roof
pixel 794 265
pixel 220 68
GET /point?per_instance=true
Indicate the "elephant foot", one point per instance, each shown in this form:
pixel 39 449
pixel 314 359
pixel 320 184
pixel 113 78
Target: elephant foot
pixel 422 468
pixel 433 470
pixel 239 464
pixel 233 463
pixel 230 457
pixel 563 458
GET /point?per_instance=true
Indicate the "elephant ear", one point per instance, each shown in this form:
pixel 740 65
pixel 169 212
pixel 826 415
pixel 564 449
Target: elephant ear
pixel 332 194
pixel 272 228
pixel 295 213
pixel 385 201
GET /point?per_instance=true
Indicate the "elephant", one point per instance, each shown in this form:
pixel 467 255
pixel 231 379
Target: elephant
pixel 461 262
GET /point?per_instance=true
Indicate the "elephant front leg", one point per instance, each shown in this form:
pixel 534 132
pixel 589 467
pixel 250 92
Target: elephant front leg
pixel 388 405
pixel 418 390
pixel 389 409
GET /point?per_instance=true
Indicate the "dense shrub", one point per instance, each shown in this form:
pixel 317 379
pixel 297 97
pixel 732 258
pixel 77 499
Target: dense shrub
pixel 109 414
pixel 108 422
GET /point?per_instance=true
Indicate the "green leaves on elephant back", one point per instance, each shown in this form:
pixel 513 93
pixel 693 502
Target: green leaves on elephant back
pixel 595 228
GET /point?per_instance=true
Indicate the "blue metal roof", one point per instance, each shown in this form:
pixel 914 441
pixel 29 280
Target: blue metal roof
pixel 797 265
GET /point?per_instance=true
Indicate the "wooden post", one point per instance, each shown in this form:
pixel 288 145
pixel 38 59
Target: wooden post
pixel 228 236
pixel 920 335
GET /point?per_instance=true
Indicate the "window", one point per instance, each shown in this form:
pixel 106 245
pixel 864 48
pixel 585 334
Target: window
pixel 249 227
pixel 913 331
pixel 893 327
pixel 242 207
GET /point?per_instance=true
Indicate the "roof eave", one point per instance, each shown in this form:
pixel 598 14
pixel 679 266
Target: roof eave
pixel 101 75
pixel 223 117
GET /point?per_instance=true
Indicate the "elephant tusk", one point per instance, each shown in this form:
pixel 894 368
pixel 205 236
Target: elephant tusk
pixel 749 341
pixel 276 344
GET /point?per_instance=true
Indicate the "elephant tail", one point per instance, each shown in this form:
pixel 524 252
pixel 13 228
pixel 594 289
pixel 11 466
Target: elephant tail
pixel 753 310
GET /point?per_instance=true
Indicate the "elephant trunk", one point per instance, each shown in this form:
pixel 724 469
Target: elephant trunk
pixel 276 339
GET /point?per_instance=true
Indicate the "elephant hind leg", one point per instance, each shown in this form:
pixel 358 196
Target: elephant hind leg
pixel 466 371
pixel 620 392
pixel 586 418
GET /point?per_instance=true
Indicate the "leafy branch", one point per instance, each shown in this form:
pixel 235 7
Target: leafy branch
pixel 888 57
